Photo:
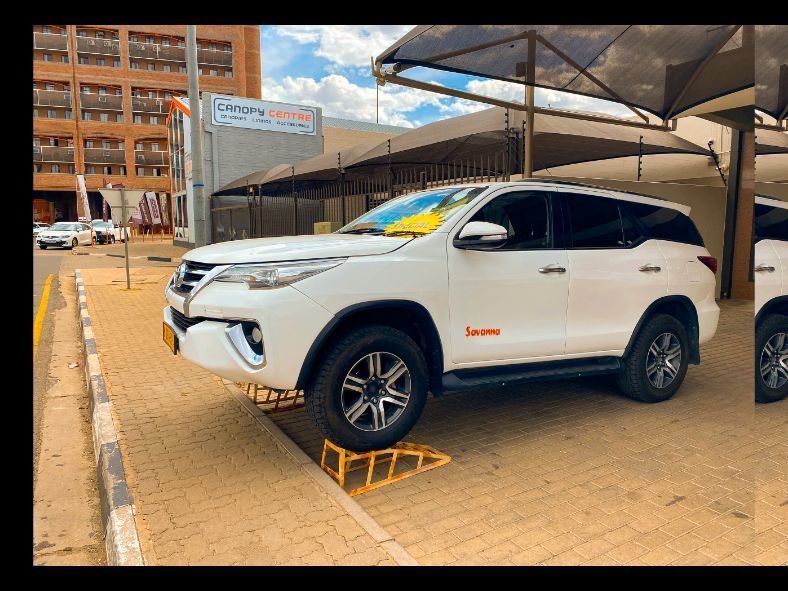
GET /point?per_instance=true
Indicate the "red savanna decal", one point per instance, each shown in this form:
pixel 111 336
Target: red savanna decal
pixel 482 332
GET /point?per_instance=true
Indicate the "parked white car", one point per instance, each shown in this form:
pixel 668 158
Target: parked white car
pixel 64 234
pixel 107 232
pixel 770 229
pixel 448 289
pixel 38 227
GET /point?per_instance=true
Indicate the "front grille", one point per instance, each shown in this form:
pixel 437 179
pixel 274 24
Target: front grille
pixel 193 272
pixel 183 322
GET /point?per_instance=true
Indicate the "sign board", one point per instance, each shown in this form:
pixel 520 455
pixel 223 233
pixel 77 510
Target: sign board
pixel 153 207
pixel 247 113
pixel 82 198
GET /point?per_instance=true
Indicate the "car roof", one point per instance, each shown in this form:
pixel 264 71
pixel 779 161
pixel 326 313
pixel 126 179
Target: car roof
pixel 771 201
pixel 594 189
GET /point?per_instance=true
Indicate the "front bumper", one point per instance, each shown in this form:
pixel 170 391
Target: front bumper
pixel 288 320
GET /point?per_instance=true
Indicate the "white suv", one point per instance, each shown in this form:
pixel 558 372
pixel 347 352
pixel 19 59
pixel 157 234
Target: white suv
pixel 448 289
pixel 770 234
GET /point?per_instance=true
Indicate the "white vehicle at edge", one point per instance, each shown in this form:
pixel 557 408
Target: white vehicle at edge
pixel 447 289
pixel 39 227
pixel 64 234
pixel 770 228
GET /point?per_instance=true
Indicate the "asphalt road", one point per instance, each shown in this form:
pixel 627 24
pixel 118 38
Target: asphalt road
pixel 45 263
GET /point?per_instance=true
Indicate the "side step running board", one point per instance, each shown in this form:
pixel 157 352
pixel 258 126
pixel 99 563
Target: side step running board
pixel 464 379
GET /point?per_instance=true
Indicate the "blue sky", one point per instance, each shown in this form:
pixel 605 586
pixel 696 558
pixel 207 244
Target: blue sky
pixel 329 66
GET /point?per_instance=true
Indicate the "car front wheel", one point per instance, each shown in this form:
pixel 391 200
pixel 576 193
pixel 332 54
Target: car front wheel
pixel 657 364
pixel 771 359
pixel 74 243
pixel 369 389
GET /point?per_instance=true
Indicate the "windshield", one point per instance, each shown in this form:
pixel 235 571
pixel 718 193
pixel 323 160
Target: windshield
pixel 63 227
pixel 415 214
pixel 99 224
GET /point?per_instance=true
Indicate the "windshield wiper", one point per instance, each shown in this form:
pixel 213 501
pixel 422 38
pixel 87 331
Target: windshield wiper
pixel 362 231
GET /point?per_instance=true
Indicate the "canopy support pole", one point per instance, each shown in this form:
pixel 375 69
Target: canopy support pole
pixel 528 156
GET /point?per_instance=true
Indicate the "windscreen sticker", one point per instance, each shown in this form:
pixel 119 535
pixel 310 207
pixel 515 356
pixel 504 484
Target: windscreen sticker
pixel 417 225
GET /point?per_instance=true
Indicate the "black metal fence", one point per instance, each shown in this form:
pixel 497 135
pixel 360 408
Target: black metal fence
pixel 353 193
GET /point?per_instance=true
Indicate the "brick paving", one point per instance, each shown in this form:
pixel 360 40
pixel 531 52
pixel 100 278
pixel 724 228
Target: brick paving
pixel 209 485
pixel 571 472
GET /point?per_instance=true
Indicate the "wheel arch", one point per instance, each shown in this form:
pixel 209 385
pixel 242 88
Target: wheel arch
pixel 778 305
pixel 680 307
pixel 408 316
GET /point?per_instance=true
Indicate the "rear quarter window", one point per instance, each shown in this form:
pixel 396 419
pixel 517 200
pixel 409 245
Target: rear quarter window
pixel 664 223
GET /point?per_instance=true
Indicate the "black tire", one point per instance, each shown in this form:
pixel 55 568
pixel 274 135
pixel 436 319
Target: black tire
pixel 767 328
pixel 74 244
pixel 112 240
pixel 42 247
pixel 634 381
pixel 323 395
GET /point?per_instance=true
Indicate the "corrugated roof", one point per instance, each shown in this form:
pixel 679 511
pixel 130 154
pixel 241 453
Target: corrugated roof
pixel 364 125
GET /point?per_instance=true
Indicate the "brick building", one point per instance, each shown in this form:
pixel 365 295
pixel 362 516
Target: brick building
pixel 101 95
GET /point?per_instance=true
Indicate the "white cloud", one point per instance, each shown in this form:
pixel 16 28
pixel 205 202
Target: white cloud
pixel 339 97
pixel 345 45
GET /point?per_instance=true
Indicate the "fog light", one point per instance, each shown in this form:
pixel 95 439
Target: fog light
pixel 242 336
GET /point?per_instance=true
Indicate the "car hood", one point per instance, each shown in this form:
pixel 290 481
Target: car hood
pixel 294 248
pixel 57 233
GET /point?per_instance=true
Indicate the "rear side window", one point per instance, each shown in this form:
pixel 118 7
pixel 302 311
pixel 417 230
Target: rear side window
pixel 770 223
pixel 663 223
pixel 596 222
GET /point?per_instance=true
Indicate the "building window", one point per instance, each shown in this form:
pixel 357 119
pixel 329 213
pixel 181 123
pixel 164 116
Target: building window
pixel 152 67
pixel 199 71
pixel 135 66
pixel 116 63
pixel 139 146
pixel 134 38
pixel 167 96
pixel 64 59
pixel 154 120
pixel 35 113
pixel 46 30
pixel 88 143
pixel 90 169
pixel 148 39
pixel 123 170
pixel 99 34
pixel 82 33
pixel 165 41
pixel 51 113
pixel 167 68
pixel 214 72
pixel 140 171
pixel 157 172
pixel 137 118
pixel 87 116
pixel 105 144
pixel 47 57
pixel 69 114
pixel 37 167
pixel 154 147
pixel 104 117
pixel 107 170
pixel 102 90
pixel 100 61
pixel 71 169
pixel 36 141
pixel 228 74
pixel 119 117
pixel 182 69
pixel 118 91
pixel 83 61
pixel 56 168
pixel 49 86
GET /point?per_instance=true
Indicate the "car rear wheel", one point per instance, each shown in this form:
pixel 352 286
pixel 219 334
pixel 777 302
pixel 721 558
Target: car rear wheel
pixel 369 389
pixel 657 364
pixel 771 359
pixel 74 243
pixel 112 240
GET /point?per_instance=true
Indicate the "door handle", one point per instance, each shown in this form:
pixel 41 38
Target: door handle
pixel 764 268
pixel 649 267
pixel 554 268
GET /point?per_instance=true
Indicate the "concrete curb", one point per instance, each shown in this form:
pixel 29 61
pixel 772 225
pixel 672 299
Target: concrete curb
pixel 385 540
pixel 121 256
pixel 117 510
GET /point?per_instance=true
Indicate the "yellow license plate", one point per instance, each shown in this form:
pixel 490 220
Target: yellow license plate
pixel 170 339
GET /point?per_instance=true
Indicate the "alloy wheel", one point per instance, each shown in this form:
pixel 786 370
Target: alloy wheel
pixel 663 360
pixel 376 391
pixel 774 361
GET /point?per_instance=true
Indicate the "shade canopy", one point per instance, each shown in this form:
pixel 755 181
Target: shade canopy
pixel 771 69
pixel 558 140
pixel 768 141
pixel 663 69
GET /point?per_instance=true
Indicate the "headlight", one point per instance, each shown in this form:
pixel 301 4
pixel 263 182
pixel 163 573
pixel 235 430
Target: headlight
pixel 273 275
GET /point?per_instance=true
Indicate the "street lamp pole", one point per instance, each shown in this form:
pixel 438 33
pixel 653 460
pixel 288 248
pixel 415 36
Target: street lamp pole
pixel 124 229
pixel 201 211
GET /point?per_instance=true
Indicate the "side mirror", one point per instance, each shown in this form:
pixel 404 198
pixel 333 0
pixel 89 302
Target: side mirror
pixel 481 236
